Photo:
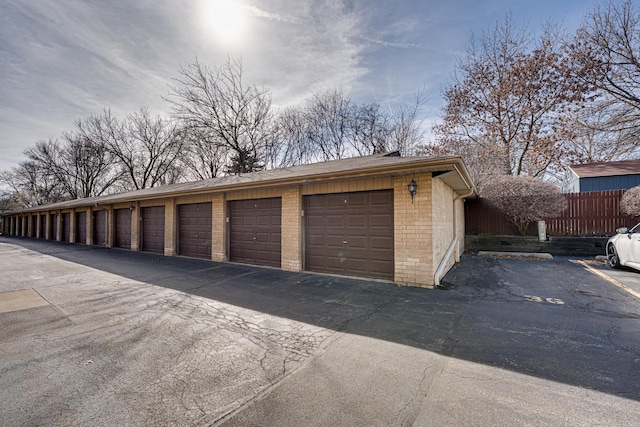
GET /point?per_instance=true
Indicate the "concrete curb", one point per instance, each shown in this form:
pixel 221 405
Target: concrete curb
pixel 532 255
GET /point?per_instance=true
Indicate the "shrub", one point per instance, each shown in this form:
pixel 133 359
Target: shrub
pixel 630 202
pixel 523 199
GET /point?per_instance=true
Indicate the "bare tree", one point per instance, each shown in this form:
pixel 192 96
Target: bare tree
pixel 331 126
pixel 145 148
pixel 506 103
pixel 406 131
pixel 607 50
pixel 295 148
pixel 149 149
pixel 630 202
pixel 203 157
pixel 594 134
pixel 8 200
pixel 608 47
pixel 328 118
pixel 85 166
pixel 523 199
pixel 31 185
pixel 371 130
pixel 216 104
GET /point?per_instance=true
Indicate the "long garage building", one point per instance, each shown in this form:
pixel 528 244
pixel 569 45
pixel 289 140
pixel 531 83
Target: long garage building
pixel 387 217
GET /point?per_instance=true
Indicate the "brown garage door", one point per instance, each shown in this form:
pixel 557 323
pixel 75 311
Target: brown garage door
pixel 350 233
pixel 54 227
pixel 66 227
pixel 81 228
pixel 43 226
pixel 153 229
pixel 122 219
pixel 255 230
pixel 34 226
pixel 194 230
pixel 100 228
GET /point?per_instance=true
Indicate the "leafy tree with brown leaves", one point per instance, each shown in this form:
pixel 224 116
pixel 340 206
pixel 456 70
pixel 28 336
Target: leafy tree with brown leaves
pixel 503 110
pixel 630 202
pixel 523 199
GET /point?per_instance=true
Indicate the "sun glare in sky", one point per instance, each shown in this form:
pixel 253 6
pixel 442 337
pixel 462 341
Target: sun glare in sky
pixel 224 20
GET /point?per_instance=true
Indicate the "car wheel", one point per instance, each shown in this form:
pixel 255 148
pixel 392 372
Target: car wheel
pixel 612 257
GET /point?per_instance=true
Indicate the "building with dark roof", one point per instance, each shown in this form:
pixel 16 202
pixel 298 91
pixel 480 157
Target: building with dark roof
pixel 601 176
pixel 353 217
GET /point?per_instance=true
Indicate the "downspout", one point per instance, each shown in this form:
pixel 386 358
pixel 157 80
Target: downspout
pixel 454 244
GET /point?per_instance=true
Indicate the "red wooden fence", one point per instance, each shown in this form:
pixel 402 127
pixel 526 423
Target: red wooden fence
pixel 595 213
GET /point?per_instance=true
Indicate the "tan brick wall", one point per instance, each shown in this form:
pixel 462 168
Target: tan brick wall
pixel 459 210
pixel 110 228
pixel 72 226
pixel 413 231
pixel 170 227
pixel 152 203
pixel 292 229
pixel 59 226
pixel 219 228
pixel 344 186
pixel 260 193
pixel 200 198
pixel 442 219
pixel 89 226
pixel 135 227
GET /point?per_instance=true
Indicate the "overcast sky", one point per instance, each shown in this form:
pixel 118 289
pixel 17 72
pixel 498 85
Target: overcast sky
pixel 61 60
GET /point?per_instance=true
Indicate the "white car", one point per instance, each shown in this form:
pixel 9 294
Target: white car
pixel 623 249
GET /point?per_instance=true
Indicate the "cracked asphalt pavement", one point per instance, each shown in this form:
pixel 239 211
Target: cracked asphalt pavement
pixel 114 337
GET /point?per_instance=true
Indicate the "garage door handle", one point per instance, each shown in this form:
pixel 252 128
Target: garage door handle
pixel 344 242
pixel 254 238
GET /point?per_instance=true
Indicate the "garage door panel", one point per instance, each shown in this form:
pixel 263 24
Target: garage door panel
pixel 379 220
pixel 357 199
pixel 43 226
pixel 359 242
pixel 152 219
pixel 54 227
pixel 100 228
pixel 66 227
pixel 364 222
pixel 194 230
pixel 381 243
pixel 122 228
pixel 255 231
pixel 357 220
pixel 81 228
pixel 384 198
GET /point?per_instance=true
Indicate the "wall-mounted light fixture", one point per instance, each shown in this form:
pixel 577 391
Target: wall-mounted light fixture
pixel 132 208
pixel 413 188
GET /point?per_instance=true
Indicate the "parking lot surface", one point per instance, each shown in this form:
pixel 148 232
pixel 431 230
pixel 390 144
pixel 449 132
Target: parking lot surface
pixel 91 336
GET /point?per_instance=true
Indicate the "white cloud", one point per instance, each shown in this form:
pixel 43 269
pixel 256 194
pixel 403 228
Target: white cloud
pixel 61 60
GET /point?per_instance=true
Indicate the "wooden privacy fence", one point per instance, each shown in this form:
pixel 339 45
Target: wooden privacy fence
pixel 595 213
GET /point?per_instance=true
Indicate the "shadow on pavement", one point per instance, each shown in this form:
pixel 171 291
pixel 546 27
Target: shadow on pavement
pixel 551 319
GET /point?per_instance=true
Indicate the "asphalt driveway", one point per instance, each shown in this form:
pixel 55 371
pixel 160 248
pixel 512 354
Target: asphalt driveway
pixel 90 336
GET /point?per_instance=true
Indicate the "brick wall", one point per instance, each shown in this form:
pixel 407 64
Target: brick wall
pixel 170 227
pixel 443 221
pixel 413 231
pixel 291 229
pixel 219 228
pixel 346 186
pixel 460 229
